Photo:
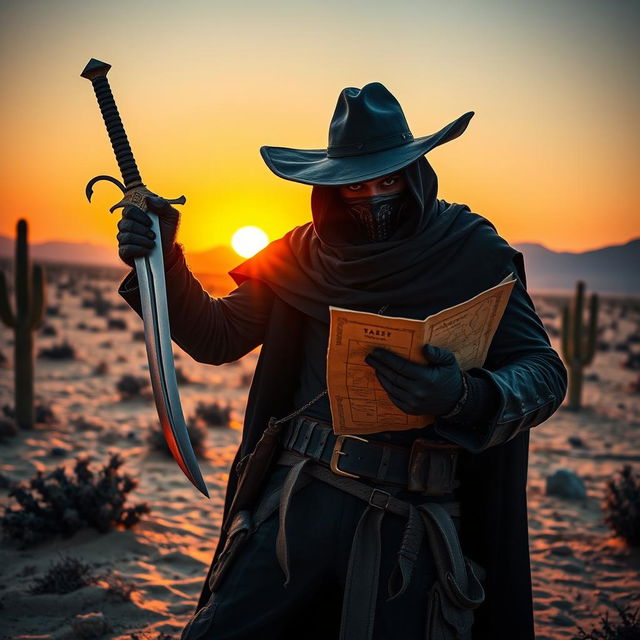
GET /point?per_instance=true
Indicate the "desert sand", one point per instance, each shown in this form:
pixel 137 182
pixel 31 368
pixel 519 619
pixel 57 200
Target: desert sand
pixel 579 567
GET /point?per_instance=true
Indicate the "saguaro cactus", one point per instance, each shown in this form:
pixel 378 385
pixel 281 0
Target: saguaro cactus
pixel 578 341
pixel 30 295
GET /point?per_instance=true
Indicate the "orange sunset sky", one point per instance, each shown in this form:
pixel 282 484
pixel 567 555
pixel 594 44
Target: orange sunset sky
pixel 551 155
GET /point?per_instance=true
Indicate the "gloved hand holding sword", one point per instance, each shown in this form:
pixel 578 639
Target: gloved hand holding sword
pixel 145 219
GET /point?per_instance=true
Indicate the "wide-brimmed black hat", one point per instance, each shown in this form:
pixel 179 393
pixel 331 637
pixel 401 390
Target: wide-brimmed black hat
pixel 368 137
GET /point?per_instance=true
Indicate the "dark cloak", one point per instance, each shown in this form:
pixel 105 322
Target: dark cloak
pixel 444 255
pixel 423 267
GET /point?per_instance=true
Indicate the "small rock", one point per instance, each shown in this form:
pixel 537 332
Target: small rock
pixel 90 625
pixel 57 452
pixel 575 441
pixel 566 484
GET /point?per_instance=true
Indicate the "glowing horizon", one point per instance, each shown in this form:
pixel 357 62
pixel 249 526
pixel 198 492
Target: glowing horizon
pixel 549 157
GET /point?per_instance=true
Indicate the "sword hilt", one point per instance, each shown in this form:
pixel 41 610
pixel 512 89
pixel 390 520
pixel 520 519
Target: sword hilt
pixel 96 71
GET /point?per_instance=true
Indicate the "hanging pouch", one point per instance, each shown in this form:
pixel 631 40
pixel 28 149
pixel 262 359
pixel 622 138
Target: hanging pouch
pixel 458 588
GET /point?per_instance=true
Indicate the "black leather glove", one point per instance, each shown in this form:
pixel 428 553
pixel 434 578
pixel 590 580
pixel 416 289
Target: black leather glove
pixel 135 237
pixel 432 388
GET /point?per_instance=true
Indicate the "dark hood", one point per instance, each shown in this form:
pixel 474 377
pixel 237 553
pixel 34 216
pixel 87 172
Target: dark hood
pixel 437 245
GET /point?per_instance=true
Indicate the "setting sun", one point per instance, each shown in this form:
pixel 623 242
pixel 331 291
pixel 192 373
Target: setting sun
pixel 247 241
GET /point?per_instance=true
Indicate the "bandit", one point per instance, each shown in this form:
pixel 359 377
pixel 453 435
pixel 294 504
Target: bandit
pixel 419 533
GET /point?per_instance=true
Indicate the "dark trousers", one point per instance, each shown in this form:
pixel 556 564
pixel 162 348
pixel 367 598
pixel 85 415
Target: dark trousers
pixel 252 602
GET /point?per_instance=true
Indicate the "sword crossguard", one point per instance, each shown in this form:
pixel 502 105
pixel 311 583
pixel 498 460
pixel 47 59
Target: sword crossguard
pixel 135 196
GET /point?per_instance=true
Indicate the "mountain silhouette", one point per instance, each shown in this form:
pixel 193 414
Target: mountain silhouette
pixel 612 269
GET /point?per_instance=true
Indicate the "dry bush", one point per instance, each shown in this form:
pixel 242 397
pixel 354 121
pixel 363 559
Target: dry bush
pixel 58 503
pixel 622 505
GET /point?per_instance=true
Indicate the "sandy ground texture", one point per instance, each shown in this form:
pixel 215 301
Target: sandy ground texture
pixel 579 567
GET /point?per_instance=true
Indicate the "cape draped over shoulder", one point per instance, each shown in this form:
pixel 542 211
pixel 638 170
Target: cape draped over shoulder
pixel 442 254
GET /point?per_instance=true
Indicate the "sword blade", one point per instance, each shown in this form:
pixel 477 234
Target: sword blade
pixel 157 337
pixel 153 293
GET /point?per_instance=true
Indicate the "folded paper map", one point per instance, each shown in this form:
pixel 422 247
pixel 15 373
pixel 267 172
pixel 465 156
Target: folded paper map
pixel 359 404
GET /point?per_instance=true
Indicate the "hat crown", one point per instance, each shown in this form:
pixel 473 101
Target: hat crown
pixel 365 121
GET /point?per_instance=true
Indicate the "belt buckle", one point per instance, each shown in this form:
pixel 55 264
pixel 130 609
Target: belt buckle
pixel 372 501
pixel 337 451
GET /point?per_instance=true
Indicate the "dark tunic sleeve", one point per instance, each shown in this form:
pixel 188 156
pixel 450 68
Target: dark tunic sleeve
pixel 522 383
pixel 211 330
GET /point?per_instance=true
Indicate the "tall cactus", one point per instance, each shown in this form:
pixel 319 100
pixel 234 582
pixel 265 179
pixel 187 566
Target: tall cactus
pixel 578 341
pixel 30 295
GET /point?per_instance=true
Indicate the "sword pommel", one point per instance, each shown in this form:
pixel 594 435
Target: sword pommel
pixel 95 69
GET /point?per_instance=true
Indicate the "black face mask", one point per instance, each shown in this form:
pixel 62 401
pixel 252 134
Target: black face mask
pixel 377 216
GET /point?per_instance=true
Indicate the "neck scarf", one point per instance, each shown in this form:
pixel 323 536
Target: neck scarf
pixel 441 254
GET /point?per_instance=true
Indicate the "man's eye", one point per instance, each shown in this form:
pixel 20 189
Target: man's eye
pixel 354 187
pixel 387 182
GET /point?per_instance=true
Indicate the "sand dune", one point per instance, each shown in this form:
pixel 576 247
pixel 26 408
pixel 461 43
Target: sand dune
pixel 579 567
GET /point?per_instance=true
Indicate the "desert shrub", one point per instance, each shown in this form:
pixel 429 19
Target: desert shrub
pixel 53 310
pixel 627 629
pixel 182 377
pixel 150 635
pixel 8 428
pixel 62 351
pixel 634 385
pixel 98 303
pixel 245 379
pixel 632 362
pixel 101 368
pixel 214 414
pixel 5 481
pixel 48 330
pixel 44 414
pixel 130 385
pixel 58 503
pixel 87 423
pixel 197 436
pixel 117 324
pixel 622 505
pixel 64 576
pixel 118 586
pixel 138 336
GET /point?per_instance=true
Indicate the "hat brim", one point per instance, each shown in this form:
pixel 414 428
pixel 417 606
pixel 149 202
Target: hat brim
pixel 315 167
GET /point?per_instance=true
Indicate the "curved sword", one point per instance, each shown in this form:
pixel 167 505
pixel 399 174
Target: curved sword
pixel 150 272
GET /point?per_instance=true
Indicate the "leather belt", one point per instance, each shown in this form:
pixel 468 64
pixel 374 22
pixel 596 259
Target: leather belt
pixel 426 466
